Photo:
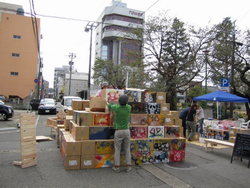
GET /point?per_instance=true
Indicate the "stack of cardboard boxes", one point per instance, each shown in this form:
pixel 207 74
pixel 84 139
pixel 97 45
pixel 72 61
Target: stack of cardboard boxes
pixel 86 141
pixel 233 132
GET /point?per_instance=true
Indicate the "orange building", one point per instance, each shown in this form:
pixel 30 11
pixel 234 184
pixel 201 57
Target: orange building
pixel 19 59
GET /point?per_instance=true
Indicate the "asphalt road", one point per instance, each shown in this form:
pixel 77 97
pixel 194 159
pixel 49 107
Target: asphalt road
pixel 200 169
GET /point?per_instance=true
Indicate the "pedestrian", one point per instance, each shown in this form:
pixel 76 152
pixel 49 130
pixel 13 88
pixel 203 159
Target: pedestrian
pixel 183 116
pixel 122 132
pixel 200 117
pixel 190 122
pixel 104 85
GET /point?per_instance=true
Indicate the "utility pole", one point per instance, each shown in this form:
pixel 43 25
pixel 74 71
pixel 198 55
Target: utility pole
pixel 71 56
pixel 90 27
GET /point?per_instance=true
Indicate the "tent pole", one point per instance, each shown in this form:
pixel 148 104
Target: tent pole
pixel 217 110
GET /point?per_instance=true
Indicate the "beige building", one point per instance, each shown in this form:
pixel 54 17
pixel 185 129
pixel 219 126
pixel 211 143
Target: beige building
pixel 19 60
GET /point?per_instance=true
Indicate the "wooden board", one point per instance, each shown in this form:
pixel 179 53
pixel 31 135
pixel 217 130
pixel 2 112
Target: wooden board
pixel 28 140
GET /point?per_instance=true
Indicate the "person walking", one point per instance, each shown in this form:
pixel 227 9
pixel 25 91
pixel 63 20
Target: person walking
pixel 183 116
pixel 190 122
pixel 200 117
pixel 122 132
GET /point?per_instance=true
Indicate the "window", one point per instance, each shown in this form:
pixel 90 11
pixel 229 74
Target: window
pixel 14 73
pixel 15 55
pixel 16 37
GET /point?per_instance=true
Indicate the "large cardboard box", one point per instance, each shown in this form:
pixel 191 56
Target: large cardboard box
pixel 138 132
pixel 70 111
pixel 88 147
pixel 175 114
pixel 178 122
pixel 85 104
pixel 134 95
pixel 85 118
pixel 87 161
pixel 139 119
pixel 72 162
pixel 155 131
pixel 232 139
pixel 178 144
pixel 137 107
pixel 100 133
pixel 104 147
pixel 172 131
pixel 104 160
pixel 80 132
pixel 177 155
pixel 149 96
pixel 142 157
pixel 161 156
pixel 112 94
pixel 143 145
pixel 67 122
pixel 242 130
pixel 152 108
pixel 54 121
pixel 97 104
pixel 161 97
pixel 70 145
pixel 101 119
pixel 165 108
pixel 169 121
pixel 162 144
pixel 156 119
pixel 77 104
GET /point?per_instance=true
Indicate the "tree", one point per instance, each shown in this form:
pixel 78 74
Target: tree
pixel 171 54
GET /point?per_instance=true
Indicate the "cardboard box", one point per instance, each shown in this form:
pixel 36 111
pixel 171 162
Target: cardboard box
pixel 77 104
pixel 54 121
pixel 178 122
pixel 67 122
pixel 161 97
pixel 137 107
pixel 61 114
pixel 85 118
pixel 242 130
pixel 100 133
pixel 97 104
pixel 155 131
pixel 85 104
pixel 139 132
pixel 196 137
pixel 104 147
pixel 112 94
pixel 139 119
pixel 149 97
pixel 142 157
pixel 169 121
pixel 152 108
pixel 161 156
pixel 80 132
pixel 134 95
pixel 177 155
pixel 178 144
pixel 87 161
pixel 156 119
pixel 58 128
pixel 101 119
pixel 165 108
pixel 70 145
pixel 175 114
pixel 70 111
pixel 232 139
pixel 172 131
pixel 72 162
pixel 88 147
pixel 104 160
pixel 162 144
pixel 143 145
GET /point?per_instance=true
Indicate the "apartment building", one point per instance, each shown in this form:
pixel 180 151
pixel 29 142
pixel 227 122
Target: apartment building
pixel 114 22
pixel 19 60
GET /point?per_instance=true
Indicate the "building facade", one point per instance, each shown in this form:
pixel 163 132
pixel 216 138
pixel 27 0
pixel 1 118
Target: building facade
pixel 19 60
pixel 114 22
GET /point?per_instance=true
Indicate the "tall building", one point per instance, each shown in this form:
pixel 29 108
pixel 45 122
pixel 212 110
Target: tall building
pixel 114 22
pixel 19 60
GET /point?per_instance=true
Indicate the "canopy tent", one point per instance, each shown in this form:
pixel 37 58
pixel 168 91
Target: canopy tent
pixel 221 96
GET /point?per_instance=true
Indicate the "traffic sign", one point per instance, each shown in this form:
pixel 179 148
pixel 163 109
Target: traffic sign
pixel 36 80
pixel 224 82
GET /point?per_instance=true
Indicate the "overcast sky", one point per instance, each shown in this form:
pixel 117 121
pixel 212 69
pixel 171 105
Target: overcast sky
pixel 64 36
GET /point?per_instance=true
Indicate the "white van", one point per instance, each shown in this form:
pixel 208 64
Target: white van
pixel 67 102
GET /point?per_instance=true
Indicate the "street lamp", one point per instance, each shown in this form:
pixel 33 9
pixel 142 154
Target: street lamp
pixel 87 28
pixel 206 53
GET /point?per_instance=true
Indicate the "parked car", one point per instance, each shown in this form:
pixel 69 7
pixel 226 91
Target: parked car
pixel 2 98
pixel 34 103
pixel 6 112
pixel 47 106
pixel 67 102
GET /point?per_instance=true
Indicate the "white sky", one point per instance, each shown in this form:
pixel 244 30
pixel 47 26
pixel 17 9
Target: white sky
pixel 61 37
